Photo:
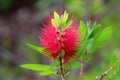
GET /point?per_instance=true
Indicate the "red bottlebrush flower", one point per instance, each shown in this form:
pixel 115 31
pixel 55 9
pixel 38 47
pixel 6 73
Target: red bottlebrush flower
pixel 55 40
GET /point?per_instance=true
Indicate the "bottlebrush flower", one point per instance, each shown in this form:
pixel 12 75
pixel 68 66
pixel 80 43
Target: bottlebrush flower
pixel 59 40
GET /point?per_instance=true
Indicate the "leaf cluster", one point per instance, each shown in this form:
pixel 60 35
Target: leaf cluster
pixel 61 21
pixel 91 37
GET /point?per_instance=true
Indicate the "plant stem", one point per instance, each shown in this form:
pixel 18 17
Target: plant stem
pixel 108 70
pixel 81 70
pixel 61 69
pixel 82 67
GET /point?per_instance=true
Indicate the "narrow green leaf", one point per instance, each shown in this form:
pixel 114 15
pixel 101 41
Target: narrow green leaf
pixel 82 26
pixel 100 38
pixel 86 45
pixel 68 23
pixel 36 67
pixel 54 22
pixel 95 30
pixel 36 48
pixel 56 16
pixel 105 34
pixel 83 30
pixel 65 25
pixel 90 28
pixel 64 17
pixel 47 73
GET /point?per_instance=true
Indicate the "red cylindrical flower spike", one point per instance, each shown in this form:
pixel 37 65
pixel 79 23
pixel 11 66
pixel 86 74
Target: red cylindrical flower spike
pixel 55 39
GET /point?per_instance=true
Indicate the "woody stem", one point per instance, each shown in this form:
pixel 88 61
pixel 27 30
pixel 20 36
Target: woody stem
pixel 83 63
pixel 61 69
pixel 108 70
pixel 81 70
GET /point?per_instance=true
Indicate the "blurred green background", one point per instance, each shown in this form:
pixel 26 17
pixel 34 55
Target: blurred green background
pixel 20 22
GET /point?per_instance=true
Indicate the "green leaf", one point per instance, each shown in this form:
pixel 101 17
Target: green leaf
pixel 64 17
pixel 36 48
pixel 45 70
pixel 56 20
pixel 83 30
pixel 95 30
pixel 100 38
pixel 61 21
pixel 68 23
pixel 47 73
pixel 105 34
pixel 65 25
pixel 56 16
pixel 90 28
pixel 36 67
pixel 86 45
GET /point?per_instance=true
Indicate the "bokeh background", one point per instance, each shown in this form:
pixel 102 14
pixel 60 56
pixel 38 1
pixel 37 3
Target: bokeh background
pixel 20 22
